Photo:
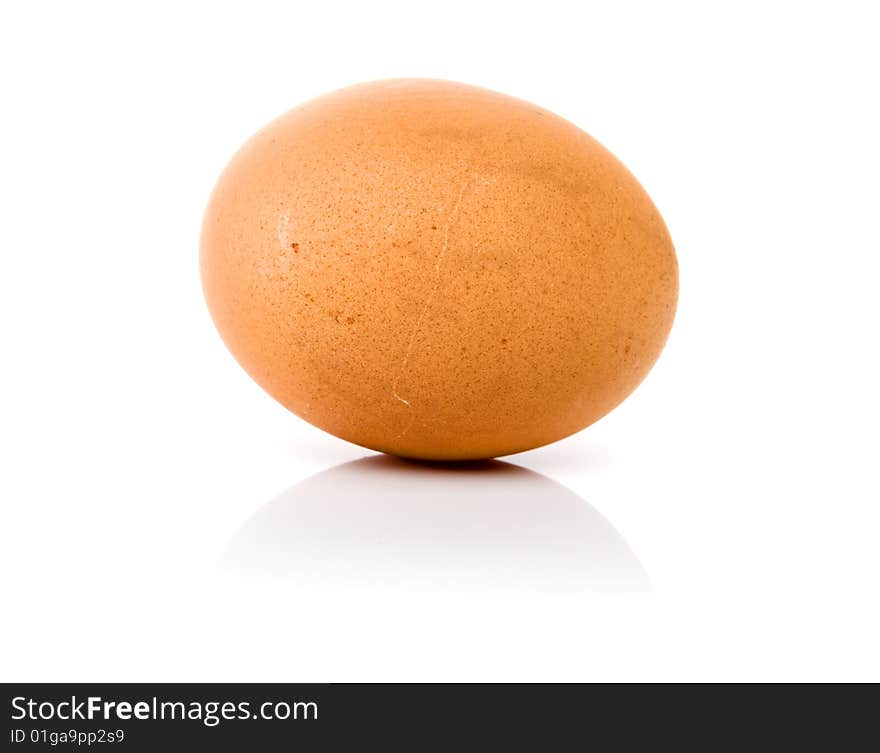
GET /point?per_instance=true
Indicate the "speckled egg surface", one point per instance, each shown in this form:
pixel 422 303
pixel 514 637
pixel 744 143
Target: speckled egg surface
pixel 437 271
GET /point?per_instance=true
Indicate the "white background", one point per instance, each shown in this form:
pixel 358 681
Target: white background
pixel 722 524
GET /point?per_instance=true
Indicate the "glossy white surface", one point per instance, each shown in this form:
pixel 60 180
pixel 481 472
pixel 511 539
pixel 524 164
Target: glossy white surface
pixel 163 519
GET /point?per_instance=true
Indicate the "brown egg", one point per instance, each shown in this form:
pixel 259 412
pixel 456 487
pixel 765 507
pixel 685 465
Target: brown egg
pixel 437 271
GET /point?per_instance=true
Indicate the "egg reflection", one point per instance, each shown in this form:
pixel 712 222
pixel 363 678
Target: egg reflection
pixel 384 523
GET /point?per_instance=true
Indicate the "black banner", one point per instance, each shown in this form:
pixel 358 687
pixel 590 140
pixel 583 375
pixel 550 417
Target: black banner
pixel 268 717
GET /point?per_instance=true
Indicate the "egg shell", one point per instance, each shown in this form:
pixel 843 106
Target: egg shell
pixel 437 271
